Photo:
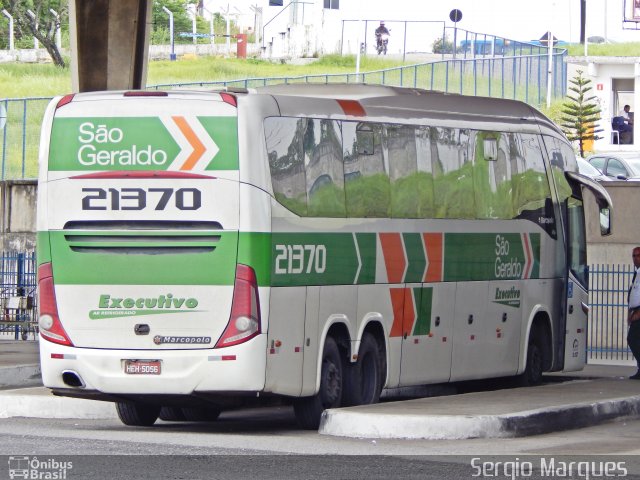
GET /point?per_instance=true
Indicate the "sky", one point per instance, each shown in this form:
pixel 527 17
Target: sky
pixel 514 19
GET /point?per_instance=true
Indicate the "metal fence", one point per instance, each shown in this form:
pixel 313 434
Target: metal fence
pixel 520 78
pixel 607 330
pixel 486 66
pixel 18 299
pixel 20 137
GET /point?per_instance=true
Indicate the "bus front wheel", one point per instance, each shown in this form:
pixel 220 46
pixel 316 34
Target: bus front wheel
pixel 532 374
pixel 308 410
pixel 137 414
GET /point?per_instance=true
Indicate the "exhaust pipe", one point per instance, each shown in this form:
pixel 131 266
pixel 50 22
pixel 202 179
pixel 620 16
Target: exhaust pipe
pixel 72 379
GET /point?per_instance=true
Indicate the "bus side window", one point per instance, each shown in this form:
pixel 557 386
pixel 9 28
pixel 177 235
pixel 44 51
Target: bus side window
pixel 492 176
pixel 405 182
pixel 453 173
pixel 286 162
pixel 531 183
pixel 366 177
pixel 324 168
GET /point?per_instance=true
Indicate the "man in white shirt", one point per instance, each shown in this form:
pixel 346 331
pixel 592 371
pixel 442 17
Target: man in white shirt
pixel 625 113
pixel 633 318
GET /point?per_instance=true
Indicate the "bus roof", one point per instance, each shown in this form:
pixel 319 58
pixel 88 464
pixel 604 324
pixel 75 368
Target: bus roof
pixel 406 103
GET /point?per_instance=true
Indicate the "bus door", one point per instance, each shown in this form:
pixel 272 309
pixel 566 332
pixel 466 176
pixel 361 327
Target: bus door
pixel 577 300
pixel 577 294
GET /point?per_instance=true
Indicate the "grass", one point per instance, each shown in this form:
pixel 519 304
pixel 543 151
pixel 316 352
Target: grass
pixel 46 80
pixel 628 49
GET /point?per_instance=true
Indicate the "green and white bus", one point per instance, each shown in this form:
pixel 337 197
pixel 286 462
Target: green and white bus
pixel 313 244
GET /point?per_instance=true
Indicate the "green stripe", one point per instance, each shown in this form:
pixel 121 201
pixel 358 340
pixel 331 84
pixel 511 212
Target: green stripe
pixel 279 259
pixel 313 259
pixel 367 247
pixel 43 249
pixel 116 268
pixel 415 256
pixel 423 299
pixel 487 256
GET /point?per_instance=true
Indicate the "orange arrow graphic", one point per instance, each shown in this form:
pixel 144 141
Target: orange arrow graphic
pixel 192 138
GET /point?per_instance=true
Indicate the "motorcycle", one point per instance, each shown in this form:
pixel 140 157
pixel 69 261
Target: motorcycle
pixel 382 41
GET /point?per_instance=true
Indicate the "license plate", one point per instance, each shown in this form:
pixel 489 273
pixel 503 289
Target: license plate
pixel 142 367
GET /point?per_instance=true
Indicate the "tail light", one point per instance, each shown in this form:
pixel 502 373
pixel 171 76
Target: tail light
pixel 49 322
pixel 244 323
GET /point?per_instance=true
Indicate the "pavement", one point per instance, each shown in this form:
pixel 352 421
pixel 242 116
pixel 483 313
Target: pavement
pixel 598 394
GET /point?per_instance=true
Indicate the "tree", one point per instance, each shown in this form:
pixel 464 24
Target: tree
pixel 442 45
pixel 42 25
pixel 580 113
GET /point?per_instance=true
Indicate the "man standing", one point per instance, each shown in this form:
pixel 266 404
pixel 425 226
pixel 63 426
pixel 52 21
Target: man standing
pixel 633 334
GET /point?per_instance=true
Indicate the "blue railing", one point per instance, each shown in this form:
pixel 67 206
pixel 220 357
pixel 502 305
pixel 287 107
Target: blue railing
pixel 18 299
pixel 607 330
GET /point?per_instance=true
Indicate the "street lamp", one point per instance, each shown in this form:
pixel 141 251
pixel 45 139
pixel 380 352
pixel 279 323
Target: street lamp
pixel 172 56
pixel 36 45
pixel 11 41
pixel 58 29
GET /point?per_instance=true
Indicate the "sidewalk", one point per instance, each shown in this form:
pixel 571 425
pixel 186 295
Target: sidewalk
pixel 19 364
pixel 597 394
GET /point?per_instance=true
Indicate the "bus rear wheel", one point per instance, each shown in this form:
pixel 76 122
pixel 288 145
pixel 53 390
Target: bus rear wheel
pixel 137 414
pixel 172 414
pixel 363 379
pixel 308 410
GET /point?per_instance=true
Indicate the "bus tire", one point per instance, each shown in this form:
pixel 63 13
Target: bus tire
pixel 200 414
pixel 137 414
pixel 308 410
pixel 172 414
pixel 532 374
pixel 363 379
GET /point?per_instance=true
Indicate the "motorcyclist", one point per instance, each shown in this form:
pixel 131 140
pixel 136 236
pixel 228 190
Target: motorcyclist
pixel 379 31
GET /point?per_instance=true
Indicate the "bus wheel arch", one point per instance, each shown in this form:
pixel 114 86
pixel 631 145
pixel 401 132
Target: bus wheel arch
pixel 365 378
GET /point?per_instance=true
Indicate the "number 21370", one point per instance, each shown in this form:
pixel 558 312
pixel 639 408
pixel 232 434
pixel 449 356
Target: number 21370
pixel 140 198
pixel 298 259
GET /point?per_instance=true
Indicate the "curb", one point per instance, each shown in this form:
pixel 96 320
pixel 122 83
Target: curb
pixel 359 424
pixel 20 376
pixel 39 402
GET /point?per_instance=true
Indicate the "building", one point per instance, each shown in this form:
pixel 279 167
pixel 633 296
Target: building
pixel 616 83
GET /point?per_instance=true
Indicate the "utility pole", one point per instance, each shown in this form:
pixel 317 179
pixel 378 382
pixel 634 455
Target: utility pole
pixel 583 21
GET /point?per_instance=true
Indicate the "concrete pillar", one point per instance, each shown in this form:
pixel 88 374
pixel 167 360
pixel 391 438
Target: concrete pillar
pixel 109 44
